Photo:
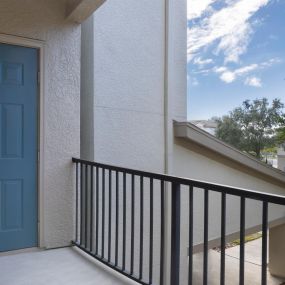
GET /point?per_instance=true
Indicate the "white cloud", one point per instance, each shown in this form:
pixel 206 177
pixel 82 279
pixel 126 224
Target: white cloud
pixel 202 62
pixel 253 81
pixel 246 69
pixel 229 76
pixel 235 44
pixel 271 62
pixel 193 81
pixel 196 8
pixel 220 69
pixel 229 26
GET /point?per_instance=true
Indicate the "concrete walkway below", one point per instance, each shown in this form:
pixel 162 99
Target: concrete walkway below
pixel 252 266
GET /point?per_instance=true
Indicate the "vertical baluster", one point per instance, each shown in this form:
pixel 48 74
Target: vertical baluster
pixel 91 208
pixel 76 206
pixel 162 231
pixel 81 204
pixel 97 210
pixel 110 216
pixel 124 220
pixel 223 238
pixel 264 243
pixel 132 223
pixel 86 206
pixel 151 232
pixel 117 219
pixel 141 227
pixel 206 227
pixel 103 215
pixel 175 233
pixel 242 239
pixel 190 265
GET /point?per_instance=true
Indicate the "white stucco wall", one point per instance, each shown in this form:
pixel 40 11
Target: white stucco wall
pixel 44 20
pixel 281 162
pixel 281 158
pixel 130 82
pixel 135 51
pixel 139 71
pixel 191 164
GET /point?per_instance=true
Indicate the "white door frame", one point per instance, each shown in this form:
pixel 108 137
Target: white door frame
pixel 39 45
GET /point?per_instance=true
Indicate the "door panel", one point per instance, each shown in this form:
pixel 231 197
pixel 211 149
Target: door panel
pixel 18 147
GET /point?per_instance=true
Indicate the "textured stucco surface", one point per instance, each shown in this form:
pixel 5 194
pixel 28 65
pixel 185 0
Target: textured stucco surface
pixel 44 20
pixel 194 165
pixel 129 90
pixel 87 91
pixel 129 82
pixel 132 83
pixel 277 251
pixel 281 162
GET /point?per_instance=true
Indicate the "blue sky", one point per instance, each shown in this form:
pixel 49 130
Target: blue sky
pixel 236 51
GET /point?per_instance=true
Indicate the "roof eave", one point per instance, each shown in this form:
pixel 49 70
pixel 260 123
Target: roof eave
pixel 189 132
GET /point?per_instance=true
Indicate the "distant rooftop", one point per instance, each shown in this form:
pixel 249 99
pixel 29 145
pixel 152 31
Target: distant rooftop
pixel 208 126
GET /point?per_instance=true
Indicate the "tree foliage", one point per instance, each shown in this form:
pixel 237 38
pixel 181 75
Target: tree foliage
pixel 280 137
pixel 252 126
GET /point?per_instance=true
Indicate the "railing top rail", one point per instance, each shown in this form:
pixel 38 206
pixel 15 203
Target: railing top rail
pixel 241 192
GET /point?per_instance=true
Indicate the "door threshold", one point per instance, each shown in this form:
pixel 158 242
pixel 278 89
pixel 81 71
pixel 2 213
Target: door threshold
pixel 18 251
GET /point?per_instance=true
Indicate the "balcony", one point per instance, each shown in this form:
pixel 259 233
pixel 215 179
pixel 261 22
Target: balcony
pixel 136 227
pixel 148 227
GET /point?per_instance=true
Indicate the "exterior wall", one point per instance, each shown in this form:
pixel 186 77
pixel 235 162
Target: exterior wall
pixel 193 164
pixel 130 82
pixel 44 20
pixel 139 69
pixel 281 158
pixel 87 91
pixel 281 162
pixel 277 251
pixel 134 61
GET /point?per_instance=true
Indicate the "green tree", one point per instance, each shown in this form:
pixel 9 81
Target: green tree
pixel 252 126
pixel 280 137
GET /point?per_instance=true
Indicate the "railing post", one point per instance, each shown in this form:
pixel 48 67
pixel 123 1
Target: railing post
pixel 175 233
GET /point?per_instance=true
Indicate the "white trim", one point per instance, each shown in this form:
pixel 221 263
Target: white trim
pixel 79 10
pixel 21 41
pixel 38 44
pixel 189 132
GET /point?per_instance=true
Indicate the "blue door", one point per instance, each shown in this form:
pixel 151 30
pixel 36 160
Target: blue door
pixel 18 147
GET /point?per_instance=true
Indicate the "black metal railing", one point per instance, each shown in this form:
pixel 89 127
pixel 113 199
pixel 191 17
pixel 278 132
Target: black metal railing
pixel 120 221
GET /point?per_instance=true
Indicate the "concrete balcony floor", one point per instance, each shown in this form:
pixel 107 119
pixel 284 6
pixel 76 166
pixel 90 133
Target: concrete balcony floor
pixel 55 267
pixel 72 267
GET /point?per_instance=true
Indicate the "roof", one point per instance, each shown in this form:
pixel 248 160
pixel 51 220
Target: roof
pixel 189 132
pixel 205 123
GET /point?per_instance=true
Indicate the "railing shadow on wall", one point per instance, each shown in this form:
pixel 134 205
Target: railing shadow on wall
pixel 120 221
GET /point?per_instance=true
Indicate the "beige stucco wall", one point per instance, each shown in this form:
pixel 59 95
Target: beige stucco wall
pixel 45 21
